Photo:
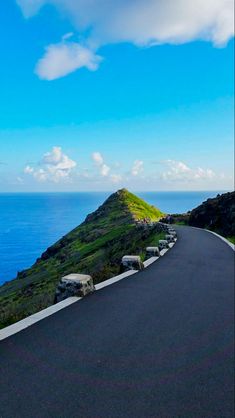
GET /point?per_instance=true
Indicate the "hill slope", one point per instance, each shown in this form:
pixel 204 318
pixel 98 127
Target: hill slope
pixel 217 214
pixel 95 247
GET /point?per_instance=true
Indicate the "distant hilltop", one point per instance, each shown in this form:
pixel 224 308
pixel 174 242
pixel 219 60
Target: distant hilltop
pixel 95 247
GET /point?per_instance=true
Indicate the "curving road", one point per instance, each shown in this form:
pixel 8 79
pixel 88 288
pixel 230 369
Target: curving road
pixel 158 344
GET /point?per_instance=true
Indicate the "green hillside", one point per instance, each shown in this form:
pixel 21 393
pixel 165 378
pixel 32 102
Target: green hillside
pixel 95 247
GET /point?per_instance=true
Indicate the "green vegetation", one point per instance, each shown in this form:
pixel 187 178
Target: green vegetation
pixel 139 208
pixel 231 239
pixel 95 247
pixel 180 223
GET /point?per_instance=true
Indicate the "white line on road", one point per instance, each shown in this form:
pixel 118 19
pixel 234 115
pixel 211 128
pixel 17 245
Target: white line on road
pixel 150 260
pixel 32 319
pixel 115 279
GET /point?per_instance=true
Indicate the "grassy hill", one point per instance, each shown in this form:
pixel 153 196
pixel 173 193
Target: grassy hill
pixel 95 247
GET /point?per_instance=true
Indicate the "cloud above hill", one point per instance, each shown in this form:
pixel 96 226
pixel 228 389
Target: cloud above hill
pixel 141 22
pixel 105 170
pixel 55 166
pixel 137 168
pixel 179 171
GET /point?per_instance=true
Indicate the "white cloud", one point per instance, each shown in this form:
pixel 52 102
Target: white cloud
pixel 137 168
pixel 56 160
pixel 41 175
pixel 98 159
pixel 116 178
pixel 64 58
pixel 146 22
pixel 141 22
pixel 179 171
pixel 56 167
pixel 105 169
pixel 28 170
pixel 200 173
pixel 54 156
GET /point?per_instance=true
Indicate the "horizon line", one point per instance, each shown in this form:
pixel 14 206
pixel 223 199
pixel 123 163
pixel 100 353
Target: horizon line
pixel 112 191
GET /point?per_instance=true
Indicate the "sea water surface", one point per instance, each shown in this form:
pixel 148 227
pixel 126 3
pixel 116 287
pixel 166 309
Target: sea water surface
pixel 31 222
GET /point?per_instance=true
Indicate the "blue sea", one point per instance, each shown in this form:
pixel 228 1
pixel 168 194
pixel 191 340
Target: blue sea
pixel 31 222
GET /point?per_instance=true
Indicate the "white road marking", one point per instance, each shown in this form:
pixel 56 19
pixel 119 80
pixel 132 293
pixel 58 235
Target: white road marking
pixel 164 251
pixel 149 261
pixel 115 279
pixel 32 319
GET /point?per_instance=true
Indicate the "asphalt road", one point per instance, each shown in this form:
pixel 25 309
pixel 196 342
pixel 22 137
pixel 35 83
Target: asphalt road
pixel 157 344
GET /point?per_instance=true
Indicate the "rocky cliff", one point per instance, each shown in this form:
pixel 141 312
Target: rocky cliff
pixel 217 214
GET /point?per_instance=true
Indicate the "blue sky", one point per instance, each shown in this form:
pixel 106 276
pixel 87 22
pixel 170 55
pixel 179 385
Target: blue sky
pixel 98 101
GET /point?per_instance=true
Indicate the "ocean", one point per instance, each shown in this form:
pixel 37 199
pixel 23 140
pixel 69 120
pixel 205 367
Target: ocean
pixel 30 222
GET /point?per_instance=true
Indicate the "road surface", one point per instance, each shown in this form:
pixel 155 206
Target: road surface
pixel 158 344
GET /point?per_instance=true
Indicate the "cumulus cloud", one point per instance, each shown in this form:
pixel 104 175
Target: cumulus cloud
pixel 64 58
pixel 98 159
pixel 104 169
pixel 55 166
pixel 141 22
pixel 57 160
pixel 179 171
pixel 137 168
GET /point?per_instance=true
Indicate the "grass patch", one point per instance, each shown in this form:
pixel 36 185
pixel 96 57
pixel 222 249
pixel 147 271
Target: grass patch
pixel 231 239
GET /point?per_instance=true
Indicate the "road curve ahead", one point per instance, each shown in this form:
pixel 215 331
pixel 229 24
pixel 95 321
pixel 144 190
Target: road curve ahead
pixel 158 344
